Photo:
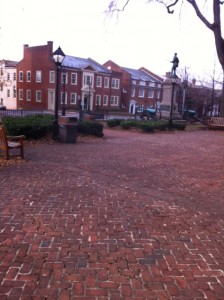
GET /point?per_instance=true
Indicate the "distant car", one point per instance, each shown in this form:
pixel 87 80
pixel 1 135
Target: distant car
pixel 2 107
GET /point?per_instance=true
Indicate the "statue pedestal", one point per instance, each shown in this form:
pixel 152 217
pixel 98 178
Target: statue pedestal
pixel 170 90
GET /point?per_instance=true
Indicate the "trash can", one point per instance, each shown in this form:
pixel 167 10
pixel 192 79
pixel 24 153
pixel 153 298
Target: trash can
pixel 67 129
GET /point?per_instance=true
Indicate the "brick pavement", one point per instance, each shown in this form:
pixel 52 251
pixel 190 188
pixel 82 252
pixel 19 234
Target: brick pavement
pixel 129 216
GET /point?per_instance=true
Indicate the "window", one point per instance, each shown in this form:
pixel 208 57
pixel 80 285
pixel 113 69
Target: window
pixel 124 90
pixel 105 100
pixel 8 76
pixel 38 96
pixel 64 78
pixel 141 92
pixel 151 94
pixel 14 76
pixel 38 76
pixel 8 93
pixel 152 84
pixel 133 92
pixel 98 99
pixel 73 78
pixel 114 100
pixel 64 97
pixel 28 95
pixel 141 82
pixel 73 98
pixel 115 83
pixel 14 92
pixel 20 76
pixel 28 76
pixel 106 82
pixel 98 81
pixel 52 76
pixel 21 95
pixel 87 80
pixel 51 97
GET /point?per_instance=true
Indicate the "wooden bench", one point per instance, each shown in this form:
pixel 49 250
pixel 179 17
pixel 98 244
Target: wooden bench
pixel 216 122
pixel 9 143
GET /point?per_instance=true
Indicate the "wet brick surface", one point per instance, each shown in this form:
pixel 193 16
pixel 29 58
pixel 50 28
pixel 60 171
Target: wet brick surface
pixel 129 216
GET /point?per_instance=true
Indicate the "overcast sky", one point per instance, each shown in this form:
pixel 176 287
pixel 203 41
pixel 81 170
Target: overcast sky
pixel 144 35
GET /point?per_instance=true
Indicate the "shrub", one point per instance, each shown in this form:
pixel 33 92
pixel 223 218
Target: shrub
pixel 179 126
pixel 33 127
pixel 114 122
pixel 90 128
pixel 146 126
pixel 127 124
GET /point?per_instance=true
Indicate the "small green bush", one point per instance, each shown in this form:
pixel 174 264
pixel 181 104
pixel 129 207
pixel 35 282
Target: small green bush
pixel 146 126
pixel 33 127
pixel 179 126
pixel 114 122
pixel 129 124
pixel 90 128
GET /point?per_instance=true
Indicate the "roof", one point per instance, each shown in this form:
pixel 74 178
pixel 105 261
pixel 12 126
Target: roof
pixel 83 63
pixel 9 63
pixel 140 75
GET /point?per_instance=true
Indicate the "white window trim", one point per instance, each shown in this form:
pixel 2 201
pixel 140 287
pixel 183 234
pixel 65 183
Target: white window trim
pixel 28 77
pixel 20 94
pixel 143 94
pixel 105 103
pixel 74 83
pixel 106 79
pixel 20 76
pixel 51 76
pixel 99 81
pixel 115 100
pixel 38 92
pixel 151 94
pixel 38 72
pixel 27 93
pixel 75 102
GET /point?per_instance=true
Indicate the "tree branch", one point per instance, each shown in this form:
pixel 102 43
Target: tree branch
pixel 199 14
pixel 113 6
pixel 168 7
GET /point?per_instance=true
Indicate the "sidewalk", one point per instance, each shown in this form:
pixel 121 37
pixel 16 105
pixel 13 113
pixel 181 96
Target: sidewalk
pixel 128 216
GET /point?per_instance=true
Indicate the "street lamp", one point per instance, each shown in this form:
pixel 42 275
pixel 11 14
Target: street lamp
pixel 174 79
pixel 58 57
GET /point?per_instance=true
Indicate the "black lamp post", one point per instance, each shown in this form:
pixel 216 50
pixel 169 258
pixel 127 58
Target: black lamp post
pixel 173 80
pixel 89 97
pixel 80 108
pixel 58 57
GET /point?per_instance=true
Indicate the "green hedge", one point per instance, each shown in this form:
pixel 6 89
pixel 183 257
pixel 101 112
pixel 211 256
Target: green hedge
pixel 33 127
pixel 114 122
pixel 90 128
pixel 146 126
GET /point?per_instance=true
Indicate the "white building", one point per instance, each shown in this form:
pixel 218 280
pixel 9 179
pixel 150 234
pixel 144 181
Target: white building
pixel 8 83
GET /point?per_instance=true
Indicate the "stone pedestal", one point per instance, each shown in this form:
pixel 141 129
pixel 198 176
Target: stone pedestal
pixel 170 90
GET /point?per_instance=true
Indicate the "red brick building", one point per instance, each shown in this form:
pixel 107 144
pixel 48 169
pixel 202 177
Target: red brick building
pixel 82 82
pixel 139 87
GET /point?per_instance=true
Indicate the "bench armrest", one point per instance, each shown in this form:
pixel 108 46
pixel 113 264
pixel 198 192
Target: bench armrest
pixel 14 138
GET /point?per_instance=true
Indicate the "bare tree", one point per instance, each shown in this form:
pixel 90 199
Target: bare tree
pixel 215 25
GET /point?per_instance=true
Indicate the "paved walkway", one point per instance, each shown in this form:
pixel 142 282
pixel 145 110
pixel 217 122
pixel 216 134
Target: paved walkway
pixel 129 216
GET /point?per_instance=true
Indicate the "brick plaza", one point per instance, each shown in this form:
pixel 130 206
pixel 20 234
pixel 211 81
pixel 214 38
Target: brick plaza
pixel 129 216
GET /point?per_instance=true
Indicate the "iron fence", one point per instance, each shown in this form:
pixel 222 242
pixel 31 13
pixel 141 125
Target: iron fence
pixel 21 113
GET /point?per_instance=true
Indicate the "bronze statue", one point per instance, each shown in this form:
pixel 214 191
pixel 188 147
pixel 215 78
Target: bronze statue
pixel 175 63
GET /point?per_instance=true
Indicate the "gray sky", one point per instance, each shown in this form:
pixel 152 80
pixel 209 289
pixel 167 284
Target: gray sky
pixel 144 35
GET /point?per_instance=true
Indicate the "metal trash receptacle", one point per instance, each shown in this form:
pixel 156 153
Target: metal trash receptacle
pixel 67 129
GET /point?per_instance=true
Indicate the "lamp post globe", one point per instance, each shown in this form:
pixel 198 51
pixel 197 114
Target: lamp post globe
pixel 58 57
